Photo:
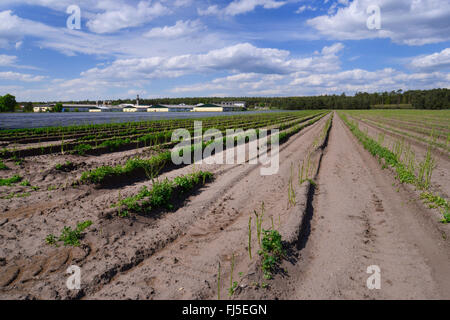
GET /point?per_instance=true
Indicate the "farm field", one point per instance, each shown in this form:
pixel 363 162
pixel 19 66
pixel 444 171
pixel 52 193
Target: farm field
pixel 353 189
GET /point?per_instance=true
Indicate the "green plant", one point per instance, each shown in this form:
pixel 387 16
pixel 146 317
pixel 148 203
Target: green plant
pixel 233 284
pixel 291 190
pixel 271 251
pixel 51 240
pixel 250 237
pixel 162 193
pixel 68 236
pixel 81 149
pixel 3 166
pixel 10 181
pixel 259 220
pixel 25 183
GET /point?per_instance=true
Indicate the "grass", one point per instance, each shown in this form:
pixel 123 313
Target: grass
pixel 10 181
pixel 162 194
pixel 68 236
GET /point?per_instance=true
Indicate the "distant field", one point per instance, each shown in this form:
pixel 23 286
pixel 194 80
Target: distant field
pixel 354 188
pixel 40 120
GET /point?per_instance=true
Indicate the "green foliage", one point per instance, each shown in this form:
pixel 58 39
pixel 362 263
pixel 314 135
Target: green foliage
pixel 271 251
pixel 81 149
pixel 7 103
pixel 10 181
pixel 162 193
pixel 149 166
pixel 3 166
pixel 68 236
pixel 25 183
pixel 114 145
pixel 58 108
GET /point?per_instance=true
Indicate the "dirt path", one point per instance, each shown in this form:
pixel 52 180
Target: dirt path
pixel 359 219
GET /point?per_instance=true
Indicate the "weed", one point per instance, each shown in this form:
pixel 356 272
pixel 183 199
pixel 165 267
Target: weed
pixel 3 166
pixel 25 183
pixel 271 251
pixel 10 181
pixel 68 236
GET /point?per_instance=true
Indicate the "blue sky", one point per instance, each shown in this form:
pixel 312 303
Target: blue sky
pixel 177 48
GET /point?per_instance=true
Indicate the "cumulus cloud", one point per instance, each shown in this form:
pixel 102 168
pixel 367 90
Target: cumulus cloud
pixel 237 7
pixel 180 29
pixel 433 62
pixel 125 16
pixel 7 61
pixel 403 21
pixel 240 58
pixel 14 76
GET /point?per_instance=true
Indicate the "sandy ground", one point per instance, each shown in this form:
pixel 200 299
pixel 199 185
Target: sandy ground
pixel 356 218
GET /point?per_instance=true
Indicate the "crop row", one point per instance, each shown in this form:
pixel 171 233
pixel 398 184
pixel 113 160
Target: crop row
pixel 133 130
pixel 124 143
pixel 405 170
pixel 114 127
pixel 139 168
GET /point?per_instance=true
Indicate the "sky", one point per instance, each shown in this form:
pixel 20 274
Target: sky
pixel 191 48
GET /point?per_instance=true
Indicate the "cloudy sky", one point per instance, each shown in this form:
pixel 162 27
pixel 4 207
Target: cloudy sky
pixel 179 48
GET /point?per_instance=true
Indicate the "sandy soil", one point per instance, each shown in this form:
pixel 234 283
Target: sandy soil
pixel 355 218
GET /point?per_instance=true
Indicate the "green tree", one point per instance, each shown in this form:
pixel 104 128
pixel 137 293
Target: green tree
pixel 58 107
pixel 28 107
pixel 7 103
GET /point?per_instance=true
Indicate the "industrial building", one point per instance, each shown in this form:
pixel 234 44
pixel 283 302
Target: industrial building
pixel 170 108
pixel 209 107
pixel 107 106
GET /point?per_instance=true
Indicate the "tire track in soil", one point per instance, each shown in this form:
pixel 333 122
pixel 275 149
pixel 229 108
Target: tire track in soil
pixel 359 219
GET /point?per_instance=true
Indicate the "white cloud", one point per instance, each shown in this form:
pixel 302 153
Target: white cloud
pixel 180 29
pixel 403 21
pixel 7 61
pixel 125 16
pixel 14 76
pixel 237 7
pixel 432 62
pixel 240 58
pixel 304 8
